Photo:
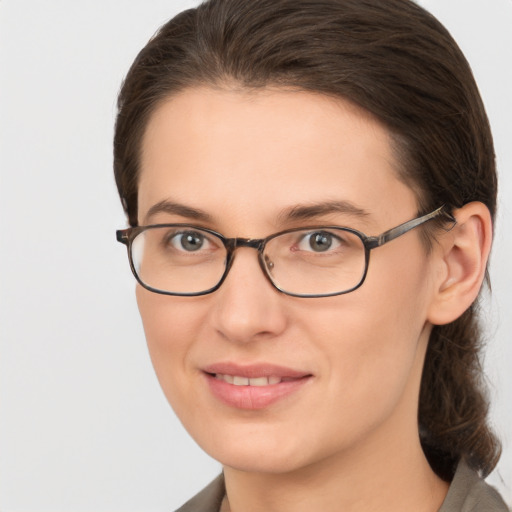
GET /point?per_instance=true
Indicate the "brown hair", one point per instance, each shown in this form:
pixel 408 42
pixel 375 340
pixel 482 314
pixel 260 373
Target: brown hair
pixel 397 62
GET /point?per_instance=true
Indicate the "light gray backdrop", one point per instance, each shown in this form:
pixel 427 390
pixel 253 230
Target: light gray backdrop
pixel 83 423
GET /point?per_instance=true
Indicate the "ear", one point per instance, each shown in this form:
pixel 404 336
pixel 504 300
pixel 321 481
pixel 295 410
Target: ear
pixel 461 256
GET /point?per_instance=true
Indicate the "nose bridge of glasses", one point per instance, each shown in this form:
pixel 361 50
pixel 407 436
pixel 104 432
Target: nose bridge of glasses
pixel 254 243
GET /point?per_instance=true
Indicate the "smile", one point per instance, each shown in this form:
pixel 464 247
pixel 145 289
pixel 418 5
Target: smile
pixel 253 387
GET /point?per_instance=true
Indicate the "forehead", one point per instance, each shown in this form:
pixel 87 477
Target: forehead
pixel 253 153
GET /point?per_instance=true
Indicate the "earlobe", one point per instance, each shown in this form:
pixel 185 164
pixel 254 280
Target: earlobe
pixel 461 256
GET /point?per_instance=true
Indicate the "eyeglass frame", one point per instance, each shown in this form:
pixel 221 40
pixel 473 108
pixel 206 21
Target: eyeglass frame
pixel 128 235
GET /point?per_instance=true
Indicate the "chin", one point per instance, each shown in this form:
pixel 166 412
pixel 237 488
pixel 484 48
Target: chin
pixel 261 452
pixel 259 462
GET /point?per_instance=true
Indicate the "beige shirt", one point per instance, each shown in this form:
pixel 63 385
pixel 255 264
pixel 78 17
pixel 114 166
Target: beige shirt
pixel 467 493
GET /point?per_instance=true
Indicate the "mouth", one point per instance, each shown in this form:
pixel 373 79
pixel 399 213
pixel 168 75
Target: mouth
pixel 253 387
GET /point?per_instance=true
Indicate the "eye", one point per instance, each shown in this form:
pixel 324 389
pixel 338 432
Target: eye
pixel 319 241
pixel 189 241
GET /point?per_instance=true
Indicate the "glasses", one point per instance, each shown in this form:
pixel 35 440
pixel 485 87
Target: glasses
pixel 320 261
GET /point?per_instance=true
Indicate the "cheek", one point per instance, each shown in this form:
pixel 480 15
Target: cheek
pixel 170 324
pixel 371 353
pixel 377 335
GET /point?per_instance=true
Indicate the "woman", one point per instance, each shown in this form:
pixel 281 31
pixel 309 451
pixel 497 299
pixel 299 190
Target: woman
pixel 345 141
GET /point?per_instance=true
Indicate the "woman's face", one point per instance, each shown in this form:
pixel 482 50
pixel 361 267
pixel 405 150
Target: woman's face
pixel 249 164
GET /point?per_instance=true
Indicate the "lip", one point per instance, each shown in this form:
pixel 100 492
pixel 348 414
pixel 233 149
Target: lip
pixel 254 397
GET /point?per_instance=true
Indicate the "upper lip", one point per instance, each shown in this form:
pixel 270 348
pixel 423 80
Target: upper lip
pixel 254 370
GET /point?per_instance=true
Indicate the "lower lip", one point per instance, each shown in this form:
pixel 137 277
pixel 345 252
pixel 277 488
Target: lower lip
pixel 253 397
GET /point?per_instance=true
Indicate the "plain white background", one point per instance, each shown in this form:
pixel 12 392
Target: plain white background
pixel 83 423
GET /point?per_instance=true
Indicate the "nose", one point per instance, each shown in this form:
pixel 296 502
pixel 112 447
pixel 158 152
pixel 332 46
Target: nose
pixel 247 307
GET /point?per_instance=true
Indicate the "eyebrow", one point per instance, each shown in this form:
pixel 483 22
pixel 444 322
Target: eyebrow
pixel 172 208
pixel 306 212
pixel 293 213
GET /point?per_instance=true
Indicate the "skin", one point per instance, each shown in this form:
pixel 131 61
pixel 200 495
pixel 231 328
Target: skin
pixel 348 439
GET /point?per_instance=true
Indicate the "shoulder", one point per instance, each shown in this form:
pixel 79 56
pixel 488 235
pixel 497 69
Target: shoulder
pixel 469 493
pixel 207 500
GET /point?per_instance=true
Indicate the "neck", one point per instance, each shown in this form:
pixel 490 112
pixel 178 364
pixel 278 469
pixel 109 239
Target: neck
pixel 396 479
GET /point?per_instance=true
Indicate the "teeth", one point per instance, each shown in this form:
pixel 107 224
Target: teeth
pixel 245 381
pixel 259 381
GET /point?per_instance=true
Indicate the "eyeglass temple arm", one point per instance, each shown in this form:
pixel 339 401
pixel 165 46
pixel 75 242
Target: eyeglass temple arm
pixel 376 241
